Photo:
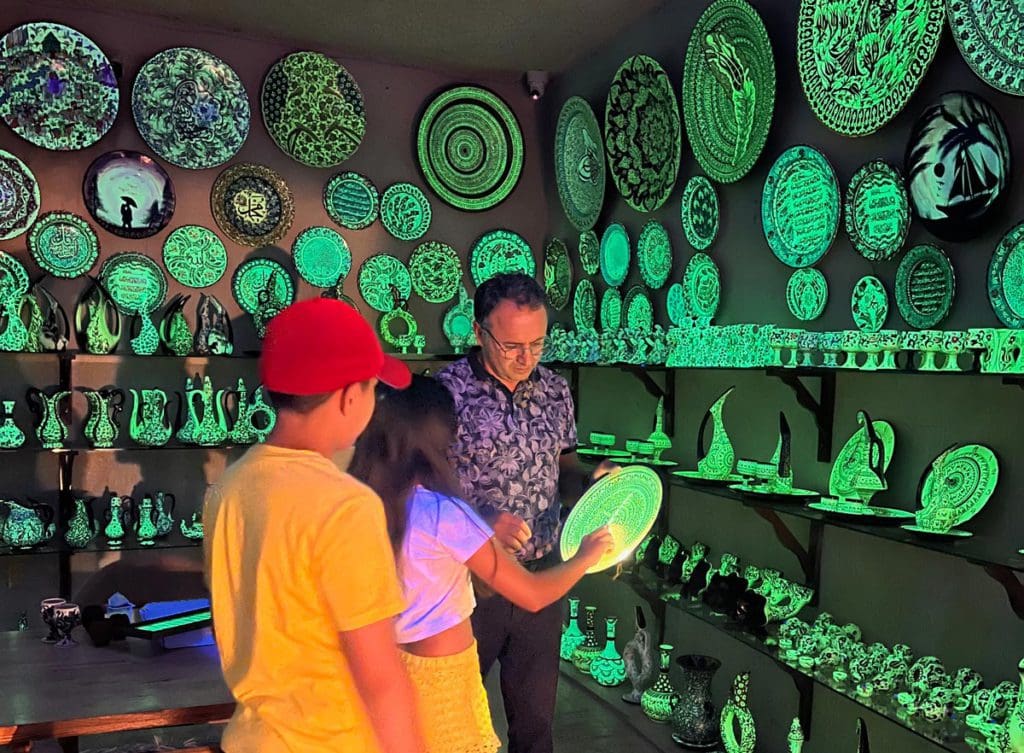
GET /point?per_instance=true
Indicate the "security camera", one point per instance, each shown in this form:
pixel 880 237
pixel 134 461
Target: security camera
pixel 536 82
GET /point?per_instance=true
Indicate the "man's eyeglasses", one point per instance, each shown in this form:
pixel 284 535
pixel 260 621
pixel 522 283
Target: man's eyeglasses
pixel 511 350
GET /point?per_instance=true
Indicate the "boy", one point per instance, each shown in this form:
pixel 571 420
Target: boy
pixel 300 568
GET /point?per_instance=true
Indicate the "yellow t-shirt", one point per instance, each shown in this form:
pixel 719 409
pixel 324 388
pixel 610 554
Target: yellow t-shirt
pixel 296 552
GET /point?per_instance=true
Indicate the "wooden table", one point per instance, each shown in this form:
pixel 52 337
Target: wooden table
pixel 48 692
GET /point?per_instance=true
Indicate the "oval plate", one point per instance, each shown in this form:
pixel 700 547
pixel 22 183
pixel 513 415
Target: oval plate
pixel 654 254
pixel 252 278
pixel 135 282
pixel 806 294
pixel 128 194
pixel 405 211
pixel 699 213
pixel 351 200
pixel 1006 278
pixel 436 271
pixel 877 211
pixel 584 306
pixel 615 254
pixel 637 310
pixel 800 206
pixel 252 204
pixel 19 196
pixel 382 277
pixel 195 256
pixel 702 287
pixel 869 304
pixel 611 310
pixel 499 252
pixel 63 244
pixel 557 273
pixel 590 252
pixel 925 286
pixel 579 163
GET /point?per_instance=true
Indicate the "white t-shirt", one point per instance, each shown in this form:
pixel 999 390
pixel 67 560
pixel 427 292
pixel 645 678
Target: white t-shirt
pixel 441 534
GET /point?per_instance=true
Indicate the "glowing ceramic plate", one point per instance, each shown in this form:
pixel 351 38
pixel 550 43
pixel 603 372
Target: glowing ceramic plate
pixel 321 256
pixel 19 196
pixel 800 206
pixel 925 286
pixel 846 508
pixel 436 271
pixel 557 273
pixel 699 212
pixel 702 287
pixel 59 89
pixel 869 304
pixel 988 34
pixel 696 478
pixel 500 252
pixel 253 278
pixel 405 211
pixel 627 502
pixel 806 294
pixel 252 204
pixel 590 252
pixel 952 533
pixel 877 211
pixel 615 253
pixel 135 282
pixel 351 200
pixel 963 479
pixel 1006 278
pixel 128 194
pixel 579 163
pixel 195 256
pixel 637 310
pixel 654 254
pixel 584 306
pixel 190 108
pixel 611 310
pixel 63 244
pixel 384 282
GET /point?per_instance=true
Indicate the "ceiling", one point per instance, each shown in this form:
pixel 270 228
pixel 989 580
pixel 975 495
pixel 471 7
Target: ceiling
pixel 465 35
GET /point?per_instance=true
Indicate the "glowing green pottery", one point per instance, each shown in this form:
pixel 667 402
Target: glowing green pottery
pixel 659 701
pixel 608 668
pixel 101 425
pixel 589 648
pixel 149 423
pixel 800 206
pixel 579 163
pixel 572 636
pixel 51 429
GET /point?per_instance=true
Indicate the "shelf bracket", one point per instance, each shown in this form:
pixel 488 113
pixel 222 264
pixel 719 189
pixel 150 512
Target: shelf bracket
pixel 809 560
pixel 822 408
pixel 1016 380
pixel 805 687
pixel 1006 578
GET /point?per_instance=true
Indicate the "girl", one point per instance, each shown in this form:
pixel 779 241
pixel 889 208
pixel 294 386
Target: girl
pixel 439 540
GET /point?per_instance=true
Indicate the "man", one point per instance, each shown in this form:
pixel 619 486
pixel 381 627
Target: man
pixel 300 569
pixel 515 447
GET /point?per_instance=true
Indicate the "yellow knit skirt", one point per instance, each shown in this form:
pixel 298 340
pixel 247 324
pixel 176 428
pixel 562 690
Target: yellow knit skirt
pixel 452 702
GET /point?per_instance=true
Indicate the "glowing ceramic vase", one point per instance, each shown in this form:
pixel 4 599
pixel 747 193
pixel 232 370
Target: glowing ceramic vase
pixel 589 649
pixel 659 701
pixel 572 636
pixel 608 668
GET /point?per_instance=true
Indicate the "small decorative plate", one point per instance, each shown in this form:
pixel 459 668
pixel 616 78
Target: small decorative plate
pixel 321 256
pixel 869 304
pixel 351 200
pixel 1006 278
pixel 253 278
pixel 642 133
pixel 59 89
pixel 252 204
pixel 190 108
pixel 313 109
pixel 436 271
pixel 499 252
pixel 135 282
pixel 557 273
pixel 806 294
pixel 405 211
pixel 702 287
pixel 877 211
pixel 637 310
pixel 925 286
pixel 470 148
pixel 857 75
pixel 962 479
pixel 853 458
pixel 19 196
pixel 728 89
pixel 699 213
pixel 584 306
pixel 615 253
pixel 579 163
pixel 611 310
pixel 654 254
pixel 988 35
pixel 384 282
pixel 590 252
pixel 63 244
pixel 675 304
pixel 800 206
pixel 627 502
pixel 14 280
pixel 195 256
pixel 128 194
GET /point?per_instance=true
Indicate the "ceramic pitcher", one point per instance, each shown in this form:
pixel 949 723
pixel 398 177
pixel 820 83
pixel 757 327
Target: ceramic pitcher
pixel 50 427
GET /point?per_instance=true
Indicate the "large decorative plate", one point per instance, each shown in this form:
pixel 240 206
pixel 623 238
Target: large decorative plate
pixel 14 280
pixel 627 502
pixel 859 64
pixel 351 200
pixel 19 196
pixel 321 256
pixel 252 204
pixel 611 310
pixel 853 458
pixel 590 252
pixel 254 277
pixel 579 163
pixel 869 304
pixel 958 165
pixel 615 253
pixel 1006 278
pixel 405 211
pixel 642 133
pixel 470 148
pixel 384 282
pixel 728 89
pixel 806 294
pixel 962 479
pixel 313 109
pixel 499 252
pixel 637 310
pixel 557 273
pixel 135 282
pixel 800 206
pixel 195 256
pixel 925 286
pixel 584 306
pixel 128 194
pixel 436 271
pixel 877 211
pixel 63 244
pixel 190 108
pixel 988 33
pixel 702 287
pixel 654 254
pixel 59 89
pixel 699 212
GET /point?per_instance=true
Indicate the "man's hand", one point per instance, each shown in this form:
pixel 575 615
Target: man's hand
pixel 511 531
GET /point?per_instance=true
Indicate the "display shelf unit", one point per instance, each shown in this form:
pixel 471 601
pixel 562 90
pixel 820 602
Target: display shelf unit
pixel 173 540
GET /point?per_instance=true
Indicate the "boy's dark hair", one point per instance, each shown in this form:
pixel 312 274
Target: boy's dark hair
pixel 297 403
pixel 521 289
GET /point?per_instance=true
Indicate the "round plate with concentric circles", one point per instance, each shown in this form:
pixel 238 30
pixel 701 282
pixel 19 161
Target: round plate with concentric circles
pixel 557 273
pixel 500 252
pixel 128 194
pixel 615 254
pixel 135 282
pixel 195 256
pixel 313 109
pixel 436 271
pixel 590 252
pixel 579 163
pixel 611 310
pixel 190 108
pixel 877 211
pixel 962 478
pixel 637 310
pixel 869 304
pixel 699 212
pixel 654 254
pixel 470 148
pixel 702 287
pixel 584 306
pixel 800 206
pixel 351 200
pixel 1006 278
pixel 321 256
pixel 254 277
pixel 63 244
pixel 405 211
pixel 806 294
pixel 252 204
pixel 925 286
pixel 988 34
pixel 384 282
pixel 19 196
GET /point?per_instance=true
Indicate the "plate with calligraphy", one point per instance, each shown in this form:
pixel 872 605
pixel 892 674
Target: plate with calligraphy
pixel 252 204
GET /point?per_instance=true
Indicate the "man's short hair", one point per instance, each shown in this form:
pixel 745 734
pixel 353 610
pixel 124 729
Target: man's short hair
pixel 302 404
pixel 522 290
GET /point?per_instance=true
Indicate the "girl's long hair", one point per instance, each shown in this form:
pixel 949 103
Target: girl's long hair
pixel 407 443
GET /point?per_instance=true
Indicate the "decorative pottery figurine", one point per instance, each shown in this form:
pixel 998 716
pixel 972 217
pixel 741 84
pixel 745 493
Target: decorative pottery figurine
pixel 14 337
pixel 670 546
pixel 608 668
pixel 193 531
pixel 205 424
pixel 54 330
pixel 66 617
pixel 255 418
pixel 97 321
pixel 46 607
pixel 50 427
pixel 737 713
pixel 118 517
pixel 658 438
pixel 589 649
pixel 1015 719
pixel 145 521
pixel 213 331
pixel 458 323
pixel 262 416
pixel 718 461
pixel 146 341
pixel 82 526
pixel 695 719
pixel 572 636
pixel 149 424
pixel 26 525
pixel 795 738
pixel 164 504
pixel 638 660
pixel 101 426
pixel 659 701
pixel 175 335
pixel 11 436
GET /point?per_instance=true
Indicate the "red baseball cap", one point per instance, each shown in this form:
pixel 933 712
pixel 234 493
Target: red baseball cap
pixel 322 345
